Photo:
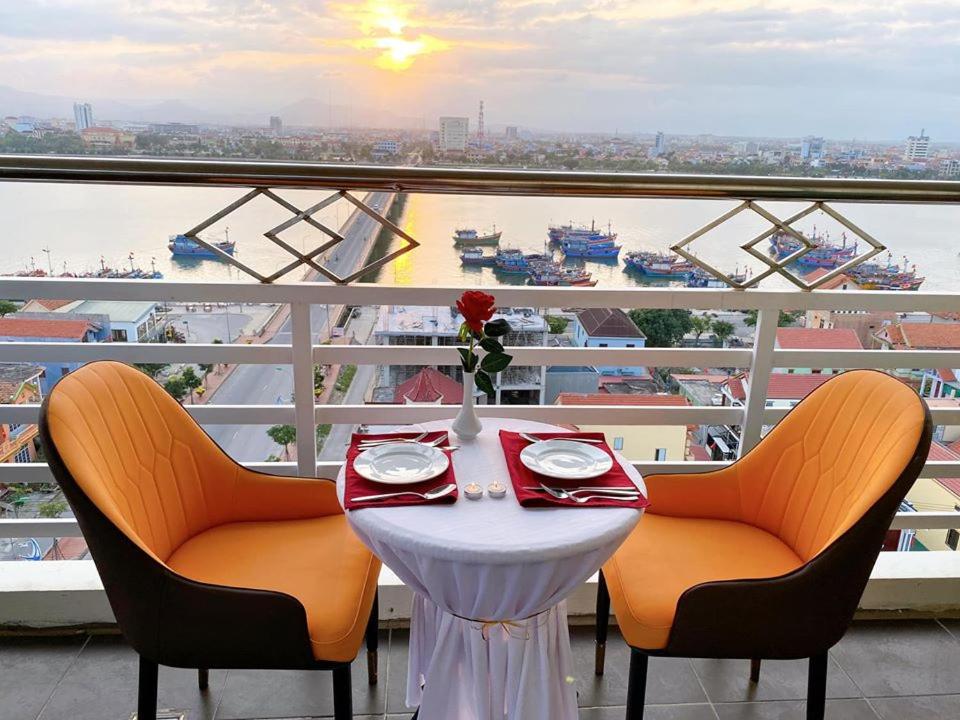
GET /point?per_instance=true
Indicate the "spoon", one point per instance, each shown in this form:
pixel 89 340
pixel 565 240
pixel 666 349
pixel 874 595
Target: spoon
pixel 564 495
pixel 437 492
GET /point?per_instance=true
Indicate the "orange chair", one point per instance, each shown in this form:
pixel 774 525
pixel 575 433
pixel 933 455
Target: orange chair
pixel 768 557
pixel 206 564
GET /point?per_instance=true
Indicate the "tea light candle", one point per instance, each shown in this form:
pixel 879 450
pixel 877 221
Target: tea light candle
pixel 473 491
pixel 496 490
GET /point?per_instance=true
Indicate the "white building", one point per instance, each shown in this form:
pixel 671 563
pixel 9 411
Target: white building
pixel 917 147
pixel 453 134
pixel 130 321
pixel 82 116
pixel 950 168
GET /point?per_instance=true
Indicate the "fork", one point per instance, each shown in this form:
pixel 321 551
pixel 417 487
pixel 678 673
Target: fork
pixel 400 441
pixel 532 438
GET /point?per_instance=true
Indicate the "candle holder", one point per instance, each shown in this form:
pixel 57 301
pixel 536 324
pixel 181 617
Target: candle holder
pixel 497 490
pixel 473 491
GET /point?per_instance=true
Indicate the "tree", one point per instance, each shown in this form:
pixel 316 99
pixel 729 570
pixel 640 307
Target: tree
pixel 663 328
pixel 723 330
pixel 177 388
pixel 283 435
pixel 218 341
pixel 152 369
pixel 7 307
pixel 191 380
pixel 700 325
pixel 557 324
pixel 206 369
pixel 787 317
pixel 52 509
pixel 318 378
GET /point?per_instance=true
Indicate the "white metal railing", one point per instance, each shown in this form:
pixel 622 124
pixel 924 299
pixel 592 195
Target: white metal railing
pixel 302 353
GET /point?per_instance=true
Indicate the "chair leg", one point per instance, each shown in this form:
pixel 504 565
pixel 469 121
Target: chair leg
pixel 755 670
pixel 342 693
pixel 603 621
pixel 147 690
pixel 373 639
pixel 203 678
pixel 637 684
pixel 817 687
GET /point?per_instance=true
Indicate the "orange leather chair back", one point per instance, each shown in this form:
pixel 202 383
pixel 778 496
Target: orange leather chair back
pixel 817 473
pixel 138 456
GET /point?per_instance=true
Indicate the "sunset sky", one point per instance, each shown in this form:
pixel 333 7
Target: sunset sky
pixel 841 68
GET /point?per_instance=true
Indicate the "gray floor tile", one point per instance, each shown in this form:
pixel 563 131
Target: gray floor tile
pixel 653 712
pixel 928 707
pixel 729 680
pixel 669 680
pixel 30 668
pixel 102 685
pixel 900 658
pixel 300 693
pixel 397 690
pixel 794 710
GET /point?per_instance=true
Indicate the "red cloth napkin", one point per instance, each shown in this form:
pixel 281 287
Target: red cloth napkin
pixel 357 486
pixel 521 476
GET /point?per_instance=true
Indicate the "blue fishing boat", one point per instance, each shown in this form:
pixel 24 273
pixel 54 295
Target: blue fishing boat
pixel 476 256
pixel 511 261
pixel 824 254
pixel 659 265
pixel 591 248
pixel 181 245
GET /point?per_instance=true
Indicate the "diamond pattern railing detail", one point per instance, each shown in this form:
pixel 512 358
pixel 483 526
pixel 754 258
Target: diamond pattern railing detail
pixel 781 266
pixel 306 216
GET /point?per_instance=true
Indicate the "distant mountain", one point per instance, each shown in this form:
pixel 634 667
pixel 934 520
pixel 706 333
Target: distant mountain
pixel 308 111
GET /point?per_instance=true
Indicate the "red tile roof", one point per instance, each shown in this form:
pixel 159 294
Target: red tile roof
pixel 949 484
pixel 569 398
pixel 832 283
pixel 783 386
pixel 608 322
pixel 429 386
pixel 28 327
pixel 932 336
pixel 52 304
pixel 939 451
pixel 947 375
pixel 796 338
pixel 955 446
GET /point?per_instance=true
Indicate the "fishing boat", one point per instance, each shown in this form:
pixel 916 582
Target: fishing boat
pixel 470 236
pixel 556 233
pixel 659 265
pixel 511 261
pixel 700 278
pixel 591 248
pixel 824 254
pixel 476 256
pixel 554 274
pixel 877 276
pixel 183 246
pixel 105 272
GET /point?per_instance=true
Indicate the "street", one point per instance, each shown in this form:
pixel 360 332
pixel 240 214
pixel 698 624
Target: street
pixel 273 384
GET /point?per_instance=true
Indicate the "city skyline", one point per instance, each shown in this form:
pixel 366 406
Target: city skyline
pixel 774 69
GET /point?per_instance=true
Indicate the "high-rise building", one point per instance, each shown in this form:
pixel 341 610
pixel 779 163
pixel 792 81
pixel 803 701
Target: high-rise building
pixel 659 145
pixel 811 148
pixel 917 147
pixel 512 132
pixel 276 125
pixel 453 134
pixel 82 116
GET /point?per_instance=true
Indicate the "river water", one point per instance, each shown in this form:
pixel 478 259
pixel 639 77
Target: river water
pixel 79 224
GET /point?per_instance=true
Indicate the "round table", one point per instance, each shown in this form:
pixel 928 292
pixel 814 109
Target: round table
pixel 488 628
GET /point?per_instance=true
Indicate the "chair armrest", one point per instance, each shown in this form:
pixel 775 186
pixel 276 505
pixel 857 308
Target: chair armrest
pixel 714 495
pixel 259 496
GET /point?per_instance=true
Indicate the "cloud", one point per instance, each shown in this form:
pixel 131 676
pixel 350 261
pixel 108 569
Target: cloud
pixel 730 66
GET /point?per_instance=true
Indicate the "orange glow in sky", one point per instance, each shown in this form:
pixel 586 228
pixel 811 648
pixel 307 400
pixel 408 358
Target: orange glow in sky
pixel 383 22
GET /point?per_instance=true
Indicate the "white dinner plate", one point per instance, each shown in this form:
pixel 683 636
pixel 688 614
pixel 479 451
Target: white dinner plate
pixel 566 459
pixel 401 463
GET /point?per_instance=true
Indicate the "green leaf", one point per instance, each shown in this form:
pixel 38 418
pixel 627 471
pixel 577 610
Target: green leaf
pixel 495 362
pixel 469 359
pixel 484 383
pixel 491 345
pixel 496 328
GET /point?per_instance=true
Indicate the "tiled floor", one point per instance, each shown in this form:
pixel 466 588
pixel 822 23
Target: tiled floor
pixel 880 671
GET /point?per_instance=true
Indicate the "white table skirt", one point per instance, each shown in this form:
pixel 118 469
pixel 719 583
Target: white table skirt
pixel 491 560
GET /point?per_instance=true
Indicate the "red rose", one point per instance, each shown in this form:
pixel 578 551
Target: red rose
pixel 476 307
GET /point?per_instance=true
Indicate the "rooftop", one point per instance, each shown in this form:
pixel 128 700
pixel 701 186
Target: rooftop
pixel 13 376
pixel 608 322
pixel 65 329
pixel 116 310
pixel 931 336
pixel 446 321
pixel 429 386
pixel 797 338
pixel 783 386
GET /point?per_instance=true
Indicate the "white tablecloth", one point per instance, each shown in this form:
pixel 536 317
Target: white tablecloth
pixel 491 560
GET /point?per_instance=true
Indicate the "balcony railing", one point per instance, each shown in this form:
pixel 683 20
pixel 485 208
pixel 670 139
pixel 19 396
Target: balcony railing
pixel 304 350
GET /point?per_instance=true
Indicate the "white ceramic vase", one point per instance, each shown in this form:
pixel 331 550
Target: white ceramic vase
pixel 467 425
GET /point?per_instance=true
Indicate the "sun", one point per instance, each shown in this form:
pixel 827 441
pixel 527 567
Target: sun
pixel 384 24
